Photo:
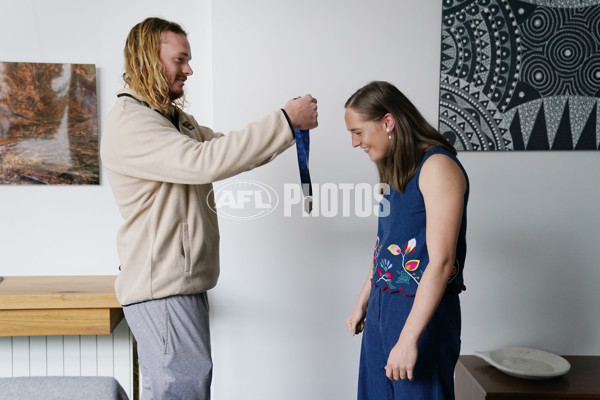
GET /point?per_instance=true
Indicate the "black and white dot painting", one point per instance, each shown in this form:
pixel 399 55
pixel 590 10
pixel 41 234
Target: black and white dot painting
pixel 520 75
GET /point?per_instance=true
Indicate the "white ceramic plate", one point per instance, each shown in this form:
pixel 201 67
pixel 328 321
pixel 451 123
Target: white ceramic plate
pixel 527 363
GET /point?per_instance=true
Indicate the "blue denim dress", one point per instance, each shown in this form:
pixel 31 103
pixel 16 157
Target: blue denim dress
pixel 399 260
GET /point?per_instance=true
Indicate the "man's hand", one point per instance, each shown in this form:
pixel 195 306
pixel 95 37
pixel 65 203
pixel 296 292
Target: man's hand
pixel 302 112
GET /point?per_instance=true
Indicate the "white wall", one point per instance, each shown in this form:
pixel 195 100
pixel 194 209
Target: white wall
pixel 287 283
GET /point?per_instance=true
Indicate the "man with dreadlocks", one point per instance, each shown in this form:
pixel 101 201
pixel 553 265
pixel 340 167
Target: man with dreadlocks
pixel 161 164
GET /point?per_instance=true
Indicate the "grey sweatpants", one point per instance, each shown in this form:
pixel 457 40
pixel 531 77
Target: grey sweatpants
pixel 173 341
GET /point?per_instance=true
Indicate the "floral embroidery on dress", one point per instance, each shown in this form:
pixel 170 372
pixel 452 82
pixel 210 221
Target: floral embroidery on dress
pixel 394 278
pixel 403 279
pixel 394 249
pixel 376 254
pixel 407 271
pixel 383 271
pixel 410 267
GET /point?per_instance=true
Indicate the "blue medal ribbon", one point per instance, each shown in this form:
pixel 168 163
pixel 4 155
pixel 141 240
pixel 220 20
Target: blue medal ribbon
pixel 303 148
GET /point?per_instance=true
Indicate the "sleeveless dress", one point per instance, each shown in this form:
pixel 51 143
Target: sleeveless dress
pixel 399 260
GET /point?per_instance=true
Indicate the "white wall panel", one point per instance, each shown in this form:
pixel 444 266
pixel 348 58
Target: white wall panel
pixel 5 357
pixel 89 355
pixel 72 355
pixel 38 356
pixel 20 356
pixel 123 355
pixel 105 355
pixel 56 355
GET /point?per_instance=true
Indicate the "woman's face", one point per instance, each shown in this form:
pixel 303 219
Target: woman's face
pixel 371 136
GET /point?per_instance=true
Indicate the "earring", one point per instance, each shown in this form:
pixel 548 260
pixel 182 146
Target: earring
pixel 389 134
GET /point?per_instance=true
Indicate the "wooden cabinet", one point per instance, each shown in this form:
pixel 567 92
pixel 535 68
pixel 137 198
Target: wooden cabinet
pixel 58 305
pixel 477 380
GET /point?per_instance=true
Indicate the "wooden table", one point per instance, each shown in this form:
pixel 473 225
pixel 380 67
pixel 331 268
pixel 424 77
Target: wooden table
pixel 477 380
pixel 58 305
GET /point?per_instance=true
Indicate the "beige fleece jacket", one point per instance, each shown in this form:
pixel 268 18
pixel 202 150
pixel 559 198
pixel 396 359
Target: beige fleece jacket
pixel 162 179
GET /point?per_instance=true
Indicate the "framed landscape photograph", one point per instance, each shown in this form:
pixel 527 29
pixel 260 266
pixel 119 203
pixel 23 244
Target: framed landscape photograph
pixel 48 124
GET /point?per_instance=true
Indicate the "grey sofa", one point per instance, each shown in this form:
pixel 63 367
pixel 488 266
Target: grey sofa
pixel 61 388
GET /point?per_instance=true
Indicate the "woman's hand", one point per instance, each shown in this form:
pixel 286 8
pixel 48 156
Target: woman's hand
pixel 356 321
pixel 402 360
